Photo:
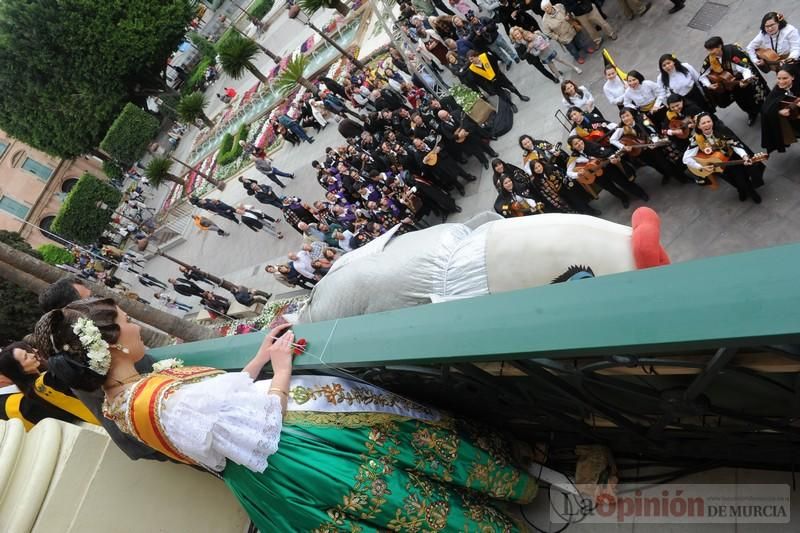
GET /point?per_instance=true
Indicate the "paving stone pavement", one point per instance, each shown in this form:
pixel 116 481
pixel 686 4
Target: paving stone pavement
pixel 696 222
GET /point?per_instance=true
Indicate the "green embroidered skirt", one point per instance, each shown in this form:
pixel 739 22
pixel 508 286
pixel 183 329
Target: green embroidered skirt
pixel 378 472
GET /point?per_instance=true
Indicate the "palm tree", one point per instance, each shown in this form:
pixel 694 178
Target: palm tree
pixel 293 76
pixel 294 11
pixel 158 171
pixel 191 106
pixel 32 273
pixel 236 54
pixel 312 6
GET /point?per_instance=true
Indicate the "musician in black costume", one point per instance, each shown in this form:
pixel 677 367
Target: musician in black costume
pixel 513 201
pixel 751 90
pixel 713 137
pixel 550 179
pixel 613 179
pixel 780 124
pixel 635 125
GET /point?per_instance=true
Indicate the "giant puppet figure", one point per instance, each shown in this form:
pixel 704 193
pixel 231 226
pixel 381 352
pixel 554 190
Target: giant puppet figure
pixel 485 255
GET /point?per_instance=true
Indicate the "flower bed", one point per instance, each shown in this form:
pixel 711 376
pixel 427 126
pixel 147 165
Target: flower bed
pixel 274 313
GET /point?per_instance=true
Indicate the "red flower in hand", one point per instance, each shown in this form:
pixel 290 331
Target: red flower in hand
pixel 736 60
pixel 300 346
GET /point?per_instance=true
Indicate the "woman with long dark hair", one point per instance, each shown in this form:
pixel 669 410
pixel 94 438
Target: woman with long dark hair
pixel 542 150
pixel 580 97
pixel 41 395
pixel 776 38
pixel 294 464
pixel 513 201
pixel 680 78
pixel 638 129
pixel 710 137
pixel 563 193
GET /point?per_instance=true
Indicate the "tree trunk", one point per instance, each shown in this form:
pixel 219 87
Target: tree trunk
pixel 183 329
pixel 175 179
pixel 213 181
pixel 225 284
pixel 350 57
pixel 207 121
pixel 257 73
pixel 308 85
pixel 99 155
pixel 339 6
pixel 22 279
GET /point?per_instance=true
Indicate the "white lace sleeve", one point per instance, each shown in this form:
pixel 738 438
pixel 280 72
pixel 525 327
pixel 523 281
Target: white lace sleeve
pixel 224 417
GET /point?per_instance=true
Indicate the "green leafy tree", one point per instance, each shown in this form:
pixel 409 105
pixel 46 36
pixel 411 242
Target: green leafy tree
pixel 69 66
pixel 20 309
pixel 112 170
pixel 260 8
pixel 130 134
pixel 312 6
pixel 292 76
pixel 192 106
pixel 86 210
pixel 53 254
pixel 236 53
pixel 203 45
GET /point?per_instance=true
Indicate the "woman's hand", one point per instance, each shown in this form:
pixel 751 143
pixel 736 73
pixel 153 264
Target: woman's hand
pixel 281 354
pixel 267 351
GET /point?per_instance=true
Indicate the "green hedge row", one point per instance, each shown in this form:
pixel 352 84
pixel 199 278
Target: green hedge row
pixel 196 76
pixel 260 8
pixel 53 254
pixel 229 148
pixel 129 136
pixel 82 217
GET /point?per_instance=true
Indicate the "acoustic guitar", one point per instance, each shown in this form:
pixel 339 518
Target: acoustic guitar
pixel 793 106
pixel 772 60
pixel 720 161
pixel 684 127
pixel 726 82
pixel 636 145
pixel 432 157
pixel 589 171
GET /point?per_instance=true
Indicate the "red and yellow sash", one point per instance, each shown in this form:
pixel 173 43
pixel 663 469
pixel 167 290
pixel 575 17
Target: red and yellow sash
pixel 485 70
pixel 145 406
pixel 65 402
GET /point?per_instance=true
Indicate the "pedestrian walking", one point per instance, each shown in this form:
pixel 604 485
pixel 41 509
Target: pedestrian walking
pixel 205 224
pixel 265 166
pixel 149 281
pixel 287 122
pixel 170 302
pixel 257 220
pixel 215 206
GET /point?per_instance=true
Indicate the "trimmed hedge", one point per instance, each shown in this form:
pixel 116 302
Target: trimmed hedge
pixel 129 136
pixel 260 8
pixel 196 77
pixel 54 254
pixel 80 219
pixel 229 148
pixel 112 170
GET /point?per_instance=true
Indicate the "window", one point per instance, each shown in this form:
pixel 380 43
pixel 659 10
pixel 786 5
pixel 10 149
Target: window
pixel 14 207
pixel 43 171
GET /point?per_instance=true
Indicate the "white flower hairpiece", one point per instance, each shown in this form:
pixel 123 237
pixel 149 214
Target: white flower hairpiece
pixel 97 351
pixel 166 364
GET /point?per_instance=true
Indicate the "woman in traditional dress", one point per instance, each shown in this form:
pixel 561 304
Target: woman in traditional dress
pixel 590 126
pixel 542 150
pixel 614 88
pixel 41 395
pixel 552 182
pixel 301 453
pixel 780 118
pixel 711 137
pixel 639 130
pixel 680 78
pixel 778 36
pixel 514 201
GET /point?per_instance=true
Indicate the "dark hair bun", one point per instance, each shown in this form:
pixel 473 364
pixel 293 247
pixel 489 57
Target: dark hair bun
pixel 73 373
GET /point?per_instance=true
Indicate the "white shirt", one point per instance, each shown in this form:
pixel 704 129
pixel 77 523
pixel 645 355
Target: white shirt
pixel 344 242
pixel 615 90
pixel 679 83
pixel 646 93
pixel 303 264
pixel 585 102
pixel 787 41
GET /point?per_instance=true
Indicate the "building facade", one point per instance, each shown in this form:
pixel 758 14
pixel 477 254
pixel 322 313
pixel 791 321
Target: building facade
pixel 32 186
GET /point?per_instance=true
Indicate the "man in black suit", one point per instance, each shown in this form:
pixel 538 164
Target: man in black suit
pixel 186 287
pixel 462 141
